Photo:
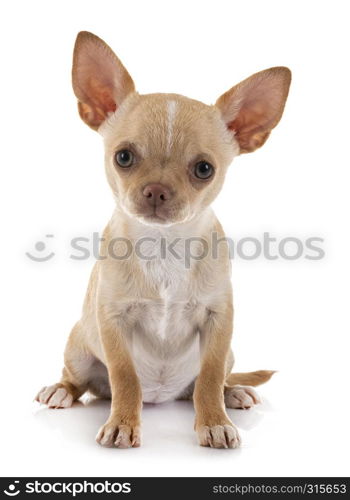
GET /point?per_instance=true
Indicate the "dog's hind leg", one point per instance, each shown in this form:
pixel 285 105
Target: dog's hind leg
pixel 76 374
pixel 239 392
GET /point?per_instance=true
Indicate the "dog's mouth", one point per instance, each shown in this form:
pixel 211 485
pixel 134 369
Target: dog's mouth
pixel 159 216
pixel 165 214
pixel 155 216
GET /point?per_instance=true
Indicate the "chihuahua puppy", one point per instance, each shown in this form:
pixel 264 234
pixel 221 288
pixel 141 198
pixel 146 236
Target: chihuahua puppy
pixel 154 329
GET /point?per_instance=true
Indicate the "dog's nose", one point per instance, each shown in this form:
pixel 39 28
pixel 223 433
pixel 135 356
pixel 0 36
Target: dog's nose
pixel 156 194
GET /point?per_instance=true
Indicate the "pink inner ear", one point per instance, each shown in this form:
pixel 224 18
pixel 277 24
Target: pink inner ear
pixel 248 120
pixel 254 107
pixel 100 81
pixel 102 96
pixel 251 127
pixel 255 114
pixel 97 106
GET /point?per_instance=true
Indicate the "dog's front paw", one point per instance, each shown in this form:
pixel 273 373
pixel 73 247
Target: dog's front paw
pixel 55 396
pixel 113 434
pixel 241 396
pixel 219 436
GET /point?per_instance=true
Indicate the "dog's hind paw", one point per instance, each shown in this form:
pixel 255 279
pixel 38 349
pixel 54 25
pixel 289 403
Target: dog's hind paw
pixel 241 396
pixel 55 396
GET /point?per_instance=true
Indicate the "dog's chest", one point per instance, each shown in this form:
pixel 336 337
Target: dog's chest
pixel 165 338
pixel 165 350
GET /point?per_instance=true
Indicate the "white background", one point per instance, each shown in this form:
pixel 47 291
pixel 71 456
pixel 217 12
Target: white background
pixel 292 316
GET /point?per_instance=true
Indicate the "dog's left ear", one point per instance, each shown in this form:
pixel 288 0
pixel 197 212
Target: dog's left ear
pixel 100 81
pixel 253 108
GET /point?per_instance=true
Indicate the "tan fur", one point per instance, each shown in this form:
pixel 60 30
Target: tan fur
pixel 252 378
pixel 154 329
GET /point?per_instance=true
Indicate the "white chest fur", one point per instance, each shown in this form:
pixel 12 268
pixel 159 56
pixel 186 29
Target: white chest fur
pixel 165 349
pixel 165 339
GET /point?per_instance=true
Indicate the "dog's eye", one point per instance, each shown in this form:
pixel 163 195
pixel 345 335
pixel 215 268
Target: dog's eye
pixel 124 158
pixel 203 170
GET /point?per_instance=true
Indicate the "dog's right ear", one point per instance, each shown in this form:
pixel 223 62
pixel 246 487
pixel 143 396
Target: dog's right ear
pixel 100 81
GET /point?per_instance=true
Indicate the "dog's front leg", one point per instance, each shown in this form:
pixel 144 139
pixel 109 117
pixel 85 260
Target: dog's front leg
pixel 123 427
pixel 213 426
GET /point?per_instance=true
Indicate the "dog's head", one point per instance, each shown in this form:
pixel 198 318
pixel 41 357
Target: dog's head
pixel 166 155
